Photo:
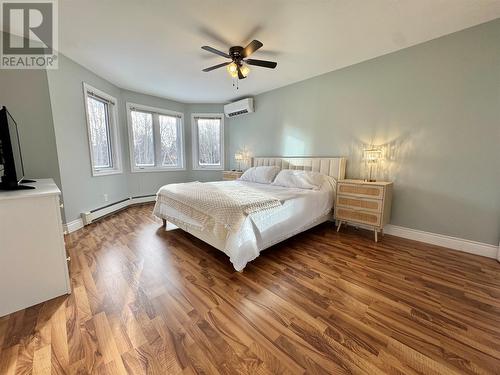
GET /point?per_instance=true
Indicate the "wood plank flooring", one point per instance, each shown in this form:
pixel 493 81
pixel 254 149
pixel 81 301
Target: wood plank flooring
pixel 149 301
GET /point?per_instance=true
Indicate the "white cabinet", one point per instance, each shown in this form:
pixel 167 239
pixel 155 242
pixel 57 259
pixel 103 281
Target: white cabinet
pixel 33 265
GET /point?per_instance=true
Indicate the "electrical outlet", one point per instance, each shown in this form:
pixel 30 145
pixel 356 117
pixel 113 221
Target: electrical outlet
pixel 106 198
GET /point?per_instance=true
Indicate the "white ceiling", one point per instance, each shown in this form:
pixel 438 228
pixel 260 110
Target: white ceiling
pixel 153 46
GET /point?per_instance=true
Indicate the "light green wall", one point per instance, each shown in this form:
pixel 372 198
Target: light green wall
pixel 25 94
pixel 82 191
pixel 434 107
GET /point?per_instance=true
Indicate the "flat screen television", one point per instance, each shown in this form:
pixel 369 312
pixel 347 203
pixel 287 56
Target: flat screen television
pixel 10 154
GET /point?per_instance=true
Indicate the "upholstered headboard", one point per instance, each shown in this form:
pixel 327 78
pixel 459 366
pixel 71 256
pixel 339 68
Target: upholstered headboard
pixel 331 166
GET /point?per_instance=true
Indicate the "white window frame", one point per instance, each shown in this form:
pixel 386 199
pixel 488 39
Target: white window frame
pixel 90 91
pixel 194 139
pixel 156 138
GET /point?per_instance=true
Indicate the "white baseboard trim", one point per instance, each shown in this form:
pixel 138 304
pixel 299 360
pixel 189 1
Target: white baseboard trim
pixel 140 200
pixel 72 226
pixel 78 223
pixel 455 243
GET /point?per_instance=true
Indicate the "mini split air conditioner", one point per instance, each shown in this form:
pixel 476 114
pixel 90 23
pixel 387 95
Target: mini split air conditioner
pixel 241 107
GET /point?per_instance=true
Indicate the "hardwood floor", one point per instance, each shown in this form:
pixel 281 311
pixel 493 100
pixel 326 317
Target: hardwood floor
pixel 149 301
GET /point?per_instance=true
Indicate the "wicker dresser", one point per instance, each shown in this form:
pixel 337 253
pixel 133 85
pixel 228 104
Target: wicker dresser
pixel 231 175
pixel 362 203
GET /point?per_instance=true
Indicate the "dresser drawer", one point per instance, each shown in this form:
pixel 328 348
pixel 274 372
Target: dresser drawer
pixel 362 217
pixel 363 191
pixel 373 205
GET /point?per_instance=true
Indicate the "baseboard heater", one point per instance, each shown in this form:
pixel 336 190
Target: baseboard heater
pixel 97 213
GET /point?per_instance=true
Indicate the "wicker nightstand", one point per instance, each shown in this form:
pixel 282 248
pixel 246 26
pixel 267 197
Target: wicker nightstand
pixel 364 203
pixel 231 175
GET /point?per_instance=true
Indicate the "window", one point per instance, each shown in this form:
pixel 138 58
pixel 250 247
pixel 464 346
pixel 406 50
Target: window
pixel 102 131
pixel 208 141
pixel 142 130
pixel 156 138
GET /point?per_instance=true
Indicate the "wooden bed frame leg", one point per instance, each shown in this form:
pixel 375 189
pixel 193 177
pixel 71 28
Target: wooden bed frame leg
pixel 164 223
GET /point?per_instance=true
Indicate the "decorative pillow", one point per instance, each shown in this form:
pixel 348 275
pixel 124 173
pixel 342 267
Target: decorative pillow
pixel 262 175
pixel 299 179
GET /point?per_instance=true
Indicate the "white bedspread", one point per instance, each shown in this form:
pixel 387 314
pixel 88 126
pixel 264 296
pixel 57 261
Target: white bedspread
pixel 219 208
pixel 300 209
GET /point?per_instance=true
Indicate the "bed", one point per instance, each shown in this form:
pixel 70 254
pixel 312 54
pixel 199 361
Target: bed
pixel 300 209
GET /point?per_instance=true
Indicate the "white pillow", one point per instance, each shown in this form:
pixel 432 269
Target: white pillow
pixel 262 175
pixel 299 179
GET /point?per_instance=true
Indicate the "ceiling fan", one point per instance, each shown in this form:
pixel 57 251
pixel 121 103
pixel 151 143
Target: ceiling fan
pixel 238 66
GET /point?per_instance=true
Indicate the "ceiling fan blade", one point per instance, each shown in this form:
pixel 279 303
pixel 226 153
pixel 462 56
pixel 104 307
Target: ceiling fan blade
pixel 253 46
pixel 240 74
pixel 263 63
pixel 216 66
pixel 216 51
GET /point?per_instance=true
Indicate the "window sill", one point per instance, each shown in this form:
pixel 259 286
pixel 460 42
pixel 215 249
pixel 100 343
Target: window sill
pixel 152 170
pixel 208 169
pixel 106 172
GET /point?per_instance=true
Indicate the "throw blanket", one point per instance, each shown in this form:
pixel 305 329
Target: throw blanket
pixel 217 207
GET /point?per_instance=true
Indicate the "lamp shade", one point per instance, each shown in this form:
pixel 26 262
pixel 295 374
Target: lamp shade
pixel 372 155
pixel 238 156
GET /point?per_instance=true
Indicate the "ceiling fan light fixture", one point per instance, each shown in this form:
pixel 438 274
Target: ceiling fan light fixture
pixel 238 66
pixel 233 69
pixel 245 70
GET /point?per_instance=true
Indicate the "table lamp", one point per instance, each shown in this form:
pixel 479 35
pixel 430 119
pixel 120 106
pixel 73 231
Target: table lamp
pixel 372 156
pixel 239 157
